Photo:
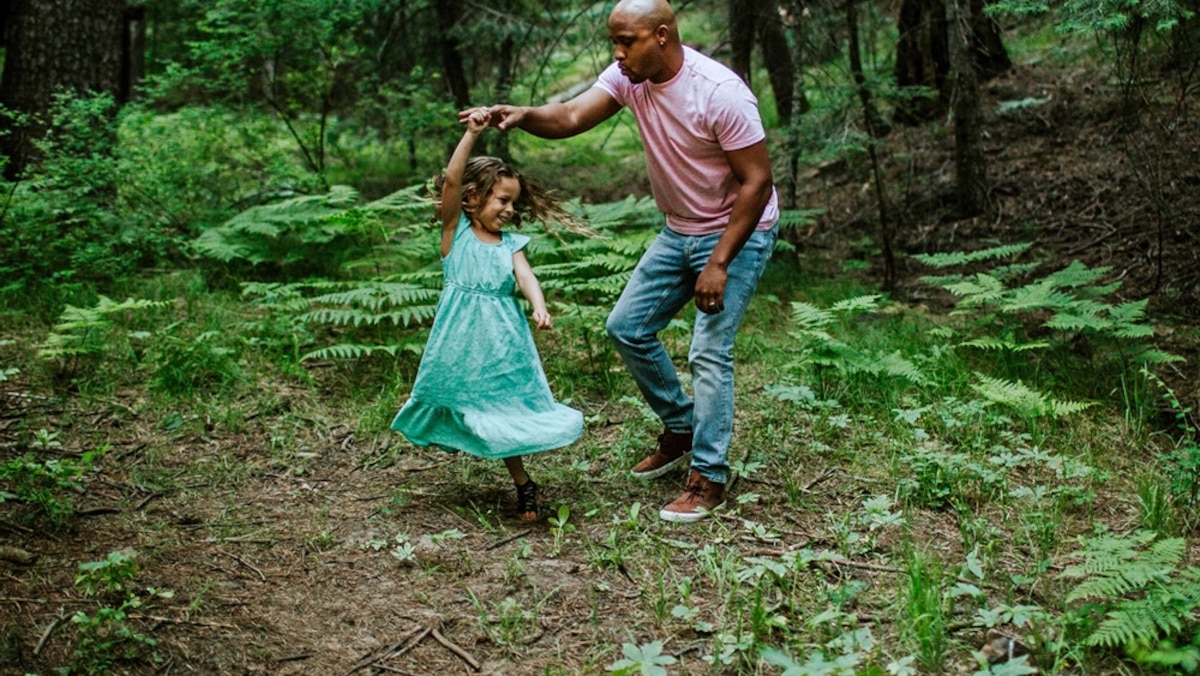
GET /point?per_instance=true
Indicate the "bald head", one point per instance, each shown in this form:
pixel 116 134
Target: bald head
pixel 649 14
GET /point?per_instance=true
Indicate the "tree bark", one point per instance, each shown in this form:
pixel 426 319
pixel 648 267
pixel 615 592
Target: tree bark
pixel 52 46
pixel 969 164
pixel 794 9
pixel 922 59
pixel 923 55
pixel 778 59
pixel 875 129
pixel 448 14
pixel 991 58
pixel 758 22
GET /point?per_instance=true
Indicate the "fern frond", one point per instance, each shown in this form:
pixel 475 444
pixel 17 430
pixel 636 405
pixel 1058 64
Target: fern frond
pixel 809 316
pixel 375 296
pixel 945 260
pixel 997 343
pixel 1024 399
pixel 983 288
pixel 356 351
pixel 857 304
pixel 406 316
pixel 1076 275
pixel 1036 296
pixel 896 365
pixel 790 219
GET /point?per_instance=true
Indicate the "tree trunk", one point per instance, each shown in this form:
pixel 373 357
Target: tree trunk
pixel 794 9
pixel 923 55
pixel 991 58
pixel 133 51
pixel 53 45
pixel 873 123
pixel 777 57
pixel 876 126
pixel 448 13
pixel 759 20
pixel 741 36
pixel 970 167
pixel 922 59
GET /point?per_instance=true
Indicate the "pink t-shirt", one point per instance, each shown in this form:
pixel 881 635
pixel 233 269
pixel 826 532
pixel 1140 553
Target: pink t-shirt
pixel 687 124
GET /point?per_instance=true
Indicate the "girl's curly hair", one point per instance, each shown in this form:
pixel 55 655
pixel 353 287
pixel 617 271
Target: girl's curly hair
pixel 534 203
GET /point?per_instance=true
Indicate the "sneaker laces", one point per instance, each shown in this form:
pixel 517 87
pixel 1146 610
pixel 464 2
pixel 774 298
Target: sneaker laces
pixel 527 497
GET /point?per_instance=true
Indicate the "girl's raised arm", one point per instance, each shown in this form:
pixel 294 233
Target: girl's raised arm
pixel 452 183
pixel 532 291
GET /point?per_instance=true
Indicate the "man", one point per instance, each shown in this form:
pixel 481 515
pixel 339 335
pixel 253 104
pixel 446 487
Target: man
pixel 707 159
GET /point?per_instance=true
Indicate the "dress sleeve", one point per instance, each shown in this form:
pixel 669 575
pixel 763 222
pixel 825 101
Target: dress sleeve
pixel 515 241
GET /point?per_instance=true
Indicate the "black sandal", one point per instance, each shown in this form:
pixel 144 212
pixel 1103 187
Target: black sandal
pixel 527 494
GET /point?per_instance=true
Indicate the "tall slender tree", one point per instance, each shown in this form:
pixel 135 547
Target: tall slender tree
pixel 759 22
pixel 53 46
pixel 969 164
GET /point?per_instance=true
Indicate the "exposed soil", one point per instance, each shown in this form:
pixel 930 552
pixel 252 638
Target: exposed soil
pixel 282 564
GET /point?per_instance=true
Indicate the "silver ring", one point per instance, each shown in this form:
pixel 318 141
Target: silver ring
pixel 712 304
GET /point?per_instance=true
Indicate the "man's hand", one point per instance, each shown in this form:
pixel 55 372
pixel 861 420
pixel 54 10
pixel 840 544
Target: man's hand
pixel 710 289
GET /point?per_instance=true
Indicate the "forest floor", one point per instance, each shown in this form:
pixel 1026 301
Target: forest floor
pixel 283 563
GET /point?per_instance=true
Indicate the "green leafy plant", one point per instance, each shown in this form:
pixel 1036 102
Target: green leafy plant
pixel 1067 304
pixel 818 347
pixel 1131 593
pixel 82 332
pixel 48 486
pixel 559 528
pixel 646 659
pixel 1182 463
pixel 107 637
pixel 112 574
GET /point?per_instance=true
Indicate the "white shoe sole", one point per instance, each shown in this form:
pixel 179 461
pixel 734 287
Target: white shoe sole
pixel 687 517
pixel 655 473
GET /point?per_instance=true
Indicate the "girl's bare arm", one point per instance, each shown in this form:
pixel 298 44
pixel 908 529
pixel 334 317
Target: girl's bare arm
pixel 452 186
pixel 532 290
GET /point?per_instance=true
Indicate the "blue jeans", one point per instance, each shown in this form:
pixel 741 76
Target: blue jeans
pixel 662 284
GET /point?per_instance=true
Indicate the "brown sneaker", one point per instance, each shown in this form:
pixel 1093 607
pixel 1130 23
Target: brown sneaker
pixel 674 449
pixel 699 498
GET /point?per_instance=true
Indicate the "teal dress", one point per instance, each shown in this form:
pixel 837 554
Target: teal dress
pixel 480 387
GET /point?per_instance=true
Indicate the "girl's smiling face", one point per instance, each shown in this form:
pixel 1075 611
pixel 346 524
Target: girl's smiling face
pixel 499 207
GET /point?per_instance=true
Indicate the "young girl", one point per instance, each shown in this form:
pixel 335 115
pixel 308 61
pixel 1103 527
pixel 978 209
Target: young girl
pixel 480 387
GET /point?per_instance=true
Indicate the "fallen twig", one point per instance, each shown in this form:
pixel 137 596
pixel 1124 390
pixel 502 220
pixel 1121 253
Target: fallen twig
pixel 249 565
pixel 818 479
pixel 501 543
pixel 423 468
pixel 95 511
pixel 294 658
pixel 172 620
pixel 373 658
pixel 46 634
pixel 452 647
pixel 395 650
pixel 145 500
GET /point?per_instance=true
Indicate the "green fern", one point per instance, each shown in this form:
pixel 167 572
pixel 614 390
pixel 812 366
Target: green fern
pixel 1025 400
pixel 1069 302
pixel 817 345
pixel 82 331
pixel 1134 583
pixel 957 258
pixel 358 351
pixel 400 280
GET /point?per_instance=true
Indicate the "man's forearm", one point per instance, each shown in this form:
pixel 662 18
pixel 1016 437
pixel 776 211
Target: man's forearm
pixel 748 208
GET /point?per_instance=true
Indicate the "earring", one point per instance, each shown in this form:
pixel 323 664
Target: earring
pixel 661 43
